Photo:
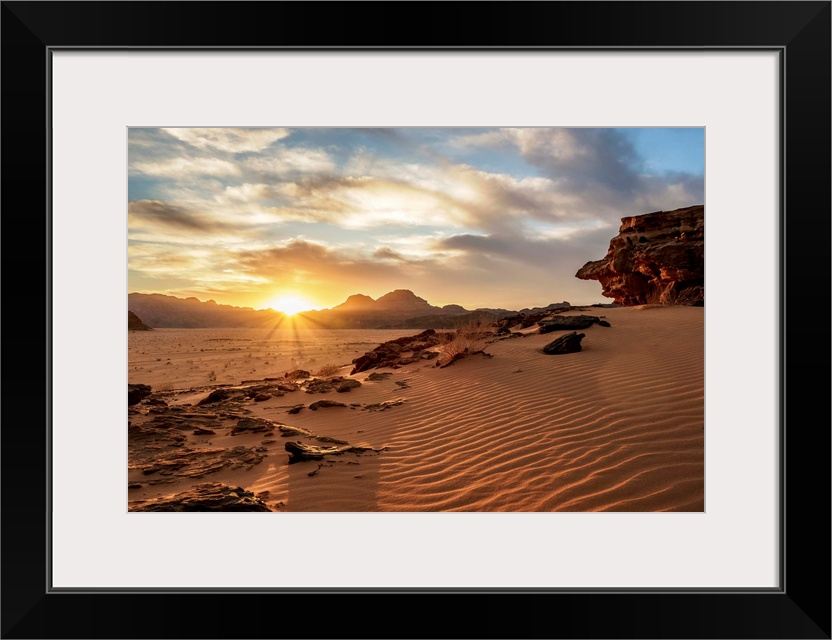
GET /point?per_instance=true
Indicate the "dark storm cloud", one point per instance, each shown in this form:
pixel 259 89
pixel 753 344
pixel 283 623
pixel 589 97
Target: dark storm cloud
pixel 586 157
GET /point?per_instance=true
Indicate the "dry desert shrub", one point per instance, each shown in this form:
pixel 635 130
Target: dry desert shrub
pixel 327 370
pixel 468 338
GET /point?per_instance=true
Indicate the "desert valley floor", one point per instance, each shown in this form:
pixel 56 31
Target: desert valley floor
pixel 618 426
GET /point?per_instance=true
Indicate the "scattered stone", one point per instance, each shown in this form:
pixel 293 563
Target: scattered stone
pixel 347 385
pixel 207 496
pixel 321 404
pixel 261 397
pixel 296 374
pixel 296 409
pixel 318 386
pixel 137 392
pixel 403 384
pixel 382 406
pixel 199 431
pixel 568 343
pixel 377 377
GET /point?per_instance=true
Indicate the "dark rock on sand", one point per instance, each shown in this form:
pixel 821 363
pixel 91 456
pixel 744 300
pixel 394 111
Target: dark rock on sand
pixel 320 404
pixel 377 377
pixel 296 374
pixel 558 323
pixel 382 406
pixel 296 409
pixel 137 392
pixel 400 351
pixel 318 386
pixel 568 343
pixel 656 258
pixel 347 385
pixel 218 395
pixel 207 496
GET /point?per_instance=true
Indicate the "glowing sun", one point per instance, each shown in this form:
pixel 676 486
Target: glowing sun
pixel 290 304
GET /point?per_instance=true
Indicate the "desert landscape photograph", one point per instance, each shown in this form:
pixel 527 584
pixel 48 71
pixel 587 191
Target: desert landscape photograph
pixel 416 320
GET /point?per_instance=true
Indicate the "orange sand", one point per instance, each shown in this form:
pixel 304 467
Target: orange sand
pixel 618 426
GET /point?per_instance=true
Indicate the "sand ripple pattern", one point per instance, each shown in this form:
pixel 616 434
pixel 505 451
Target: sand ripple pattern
pixel 616 427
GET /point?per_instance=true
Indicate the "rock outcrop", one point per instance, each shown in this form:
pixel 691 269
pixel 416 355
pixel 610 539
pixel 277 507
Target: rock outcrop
pixel 400 351
pixel 208 496
pixel 656 258
pixel 137 392
pixel 134 323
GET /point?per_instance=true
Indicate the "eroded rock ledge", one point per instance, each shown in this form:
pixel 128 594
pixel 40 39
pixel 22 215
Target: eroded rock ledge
pixel 656 258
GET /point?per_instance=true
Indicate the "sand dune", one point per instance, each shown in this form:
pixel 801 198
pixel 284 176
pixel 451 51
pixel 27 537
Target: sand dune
pixel 618 426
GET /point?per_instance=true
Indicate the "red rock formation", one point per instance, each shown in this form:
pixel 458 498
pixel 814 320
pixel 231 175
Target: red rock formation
pixel 656 258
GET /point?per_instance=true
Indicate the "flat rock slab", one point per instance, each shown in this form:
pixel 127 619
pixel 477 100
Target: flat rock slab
pixel 300 452
pixel 321 404
pixel 287 431
pixel 559 323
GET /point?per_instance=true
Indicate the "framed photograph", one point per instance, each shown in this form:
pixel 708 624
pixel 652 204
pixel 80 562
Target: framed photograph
pixel 264 179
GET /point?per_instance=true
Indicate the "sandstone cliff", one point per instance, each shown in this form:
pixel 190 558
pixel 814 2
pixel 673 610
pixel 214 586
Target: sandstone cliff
pixel 656 258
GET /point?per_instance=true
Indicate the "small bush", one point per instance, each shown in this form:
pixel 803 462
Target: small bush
pixel 471 337
pixel 327 370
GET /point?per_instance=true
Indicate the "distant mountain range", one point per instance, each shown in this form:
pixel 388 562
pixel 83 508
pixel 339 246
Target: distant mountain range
pixel 399 309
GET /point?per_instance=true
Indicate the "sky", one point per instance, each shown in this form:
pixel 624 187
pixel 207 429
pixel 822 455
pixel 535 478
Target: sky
pixel 482 217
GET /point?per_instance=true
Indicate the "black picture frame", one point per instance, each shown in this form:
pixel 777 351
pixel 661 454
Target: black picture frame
pixel 799 608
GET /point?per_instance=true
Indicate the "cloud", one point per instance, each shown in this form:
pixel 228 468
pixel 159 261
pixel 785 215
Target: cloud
pixel 228 139
pixel 172 168
pixel 292 161
pixel 386 253
pixel 148 213
pixel 471 243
